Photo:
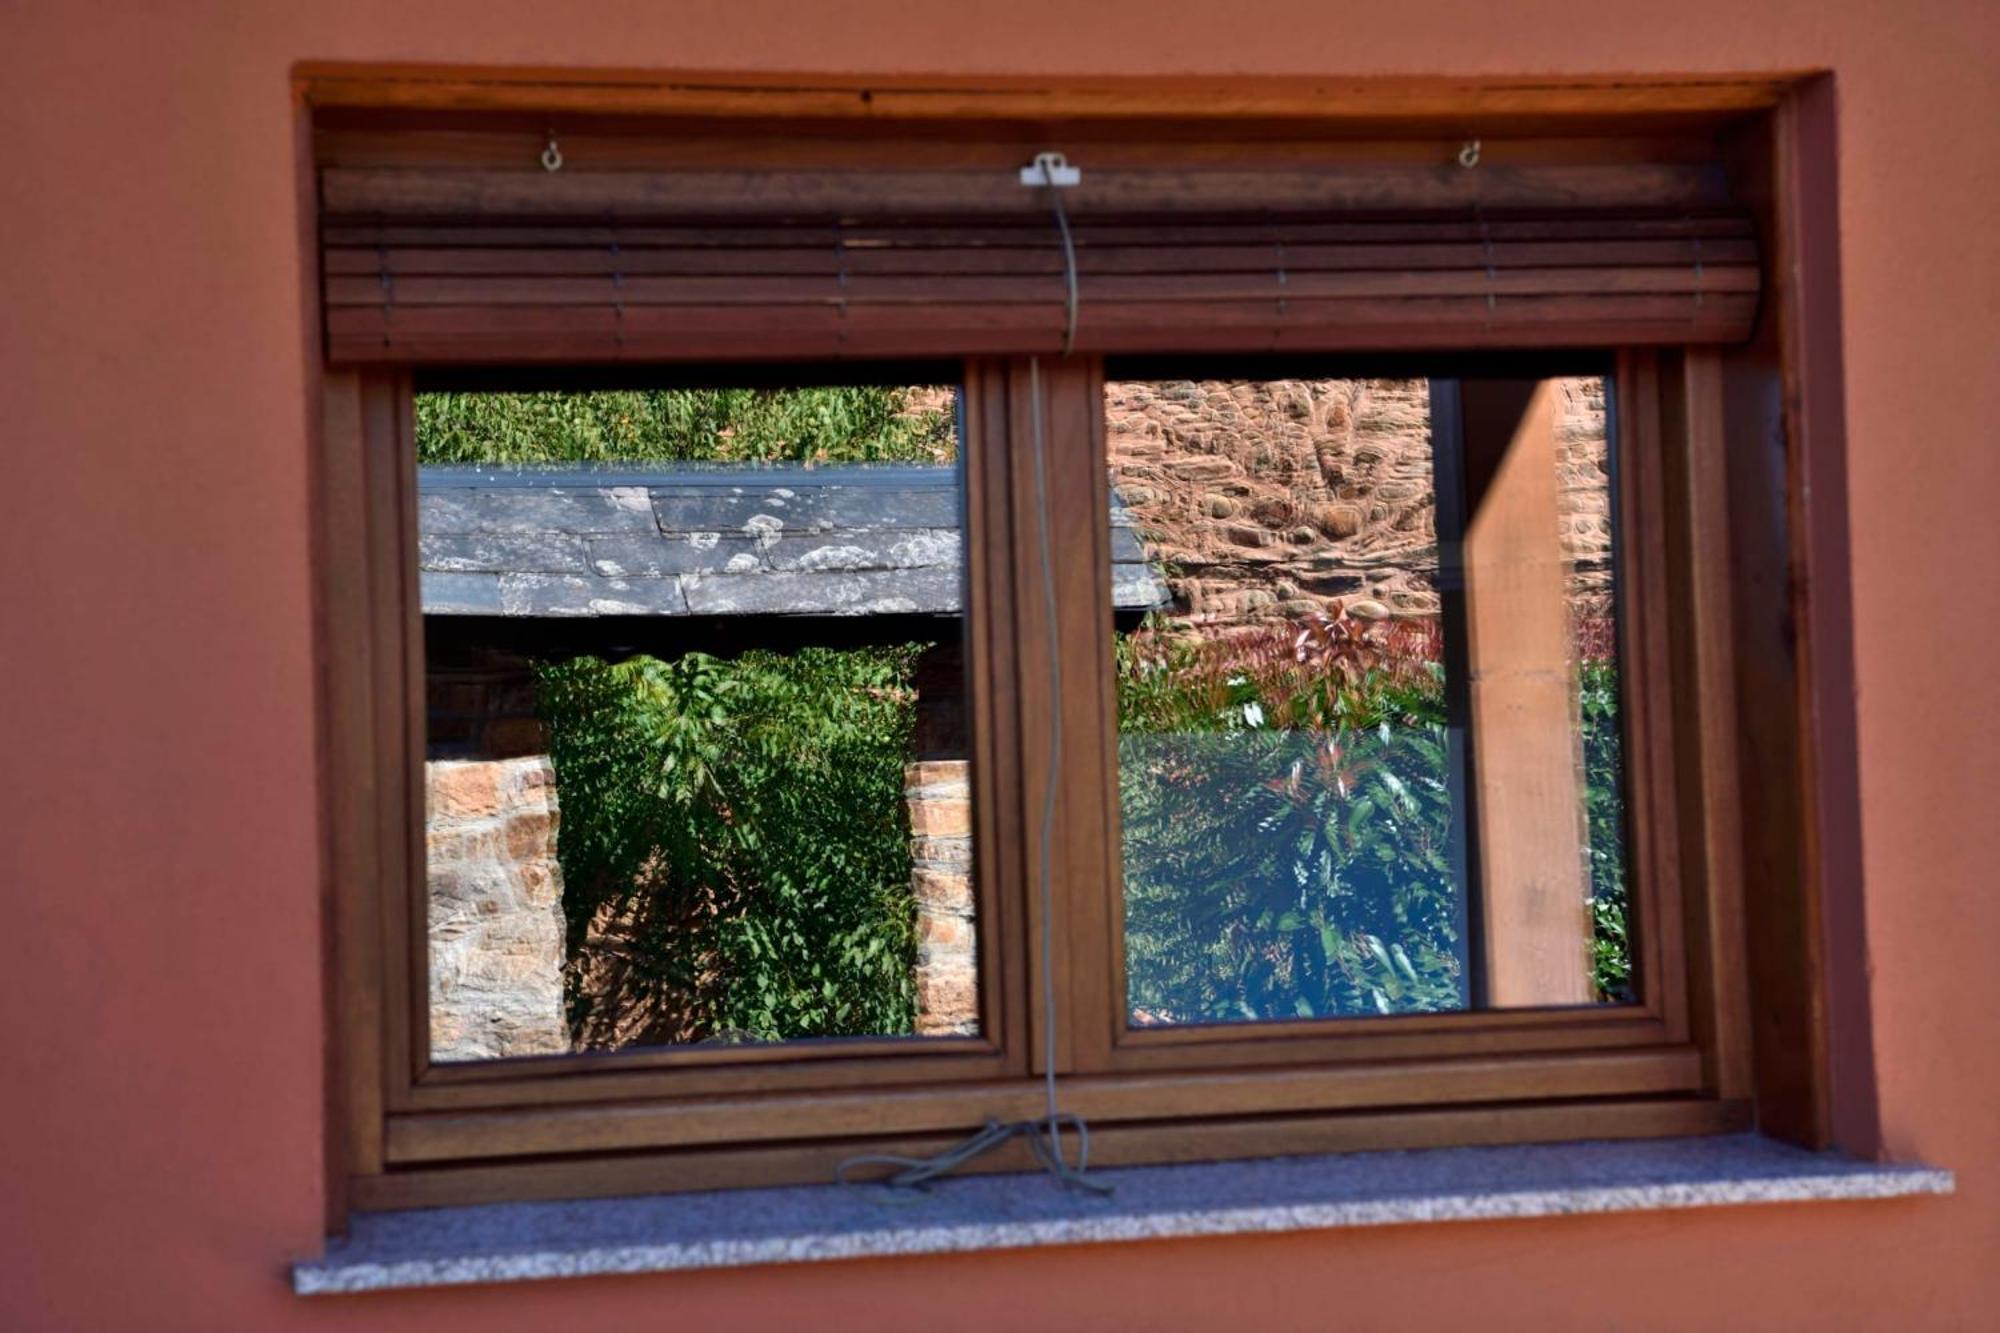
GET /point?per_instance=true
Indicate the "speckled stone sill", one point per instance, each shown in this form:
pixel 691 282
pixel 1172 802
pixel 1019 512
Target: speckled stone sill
pixel 522 1242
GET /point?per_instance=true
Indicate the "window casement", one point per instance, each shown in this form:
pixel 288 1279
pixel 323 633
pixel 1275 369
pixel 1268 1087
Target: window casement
pixel 685 251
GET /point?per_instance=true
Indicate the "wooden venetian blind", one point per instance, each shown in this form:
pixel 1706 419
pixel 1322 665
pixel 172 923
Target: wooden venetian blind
pixel 480 265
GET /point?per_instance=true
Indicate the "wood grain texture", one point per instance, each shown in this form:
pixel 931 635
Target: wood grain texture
pixel 1713 792
pixel 1219 1139
pixel 359 138
pixel 1371 102
pixel 1784 459
pixel 1808 309
pixel 349 734
pixel 716 1121
pixel 694 194
pixel 1526 746
pixel 443 263
pixel 1655 887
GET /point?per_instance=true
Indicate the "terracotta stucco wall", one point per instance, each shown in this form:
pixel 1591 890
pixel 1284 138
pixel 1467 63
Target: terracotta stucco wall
pixel 160 1132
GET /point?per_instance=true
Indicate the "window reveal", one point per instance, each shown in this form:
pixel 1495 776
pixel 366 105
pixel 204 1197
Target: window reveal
pixel 1429 1018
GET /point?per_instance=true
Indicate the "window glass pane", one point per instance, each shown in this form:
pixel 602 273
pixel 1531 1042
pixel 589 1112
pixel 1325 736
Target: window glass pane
pixel 697 765
pixel 1369 747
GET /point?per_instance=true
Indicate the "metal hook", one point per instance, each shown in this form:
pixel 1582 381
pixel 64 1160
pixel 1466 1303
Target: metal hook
pixel 552 155
pixel 1468 156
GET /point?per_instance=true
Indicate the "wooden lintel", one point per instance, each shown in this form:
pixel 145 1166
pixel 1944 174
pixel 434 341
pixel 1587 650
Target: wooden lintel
pixel 639 92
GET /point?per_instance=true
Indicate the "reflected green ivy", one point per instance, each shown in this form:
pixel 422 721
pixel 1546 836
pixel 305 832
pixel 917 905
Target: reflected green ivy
pixel 758 805
pixel 841 425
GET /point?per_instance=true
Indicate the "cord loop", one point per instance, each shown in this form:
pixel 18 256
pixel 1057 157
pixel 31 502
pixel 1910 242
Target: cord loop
pixel 1044 1136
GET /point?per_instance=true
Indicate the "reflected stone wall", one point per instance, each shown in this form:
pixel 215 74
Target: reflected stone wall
pixel 939 793
pixel 1277 499
pixel 496 922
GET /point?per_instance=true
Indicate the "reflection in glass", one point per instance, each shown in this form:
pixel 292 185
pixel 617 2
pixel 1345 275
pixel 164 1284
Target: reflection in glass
pixel 1299 771
pixel 697 763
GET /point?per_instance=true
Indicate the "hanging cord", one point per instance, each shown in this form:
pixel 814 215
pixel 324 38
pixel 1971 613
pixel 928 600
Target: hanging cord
pixel 1052 172
pixel 1069 273
pixel 1044 1136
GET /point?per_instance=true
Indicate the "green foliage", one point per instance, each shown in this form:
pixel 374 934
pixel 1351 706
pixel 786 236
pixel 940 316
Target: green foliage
pixel 1604 815
pixel 1287 829
pixel 759 801
pixel 679 425
pixel 1287 824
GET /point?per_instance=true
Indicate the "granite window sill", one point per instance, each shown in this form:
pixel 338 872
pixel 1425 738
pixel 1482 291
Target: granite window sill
pixel 526 1241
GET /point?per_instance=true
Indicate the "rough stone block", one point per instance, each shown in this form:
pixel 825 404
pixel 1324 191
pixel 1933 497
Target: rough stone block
pixel 943 891
pixel 495 923
pixel 530 833
pixel 947 1000
pixel 940 819
pixel 949 934
pixel 462 790
pixel 942 852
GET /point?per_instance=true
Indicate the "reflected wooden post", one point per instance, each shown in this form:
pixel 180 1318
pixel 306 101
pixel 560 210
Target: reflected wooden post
pixel 1525 733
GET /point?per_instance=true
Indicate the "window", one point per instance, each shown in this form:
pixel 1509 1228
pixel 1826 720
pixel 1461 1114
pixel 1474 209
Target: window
pixel 696 769
pixel 1370 753
pixel 814 648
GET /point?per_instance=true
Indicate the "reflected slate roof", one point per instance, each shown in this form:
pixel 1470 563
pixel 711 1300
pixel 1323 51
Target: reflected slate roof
pixel 693 540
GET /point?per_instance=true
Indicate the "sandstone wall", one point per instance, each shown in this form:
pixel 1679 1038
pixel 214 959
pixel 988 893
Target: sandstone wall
pixel 1283 498
pixel 495 915
pixel 939 793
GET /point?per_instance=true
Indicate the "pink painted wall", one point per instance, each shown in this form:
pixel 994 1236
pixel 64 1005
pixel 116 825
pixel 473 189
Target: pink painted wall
pixel 160 1125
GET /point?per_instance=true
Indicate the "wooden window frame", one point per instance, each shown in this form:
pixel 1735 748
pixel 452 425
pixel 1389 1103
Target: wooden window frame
pixel 1702 520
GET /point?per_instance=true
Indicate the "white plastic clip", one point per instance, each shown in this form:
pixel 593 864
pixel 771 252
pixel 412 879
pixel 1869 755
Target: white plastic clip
pixel 1468 156
pixel 1052 170
pixel 552 158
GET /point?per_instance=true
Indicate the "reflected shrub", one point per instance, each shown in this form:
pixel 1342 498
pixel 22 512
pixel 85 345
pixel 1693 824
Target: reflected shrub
pixel 839 425
pixel 740 827
pixel 1288 821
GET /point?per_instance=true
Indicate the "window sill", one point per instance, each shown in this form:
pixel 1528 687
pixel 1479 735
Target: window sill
pixel 522 1242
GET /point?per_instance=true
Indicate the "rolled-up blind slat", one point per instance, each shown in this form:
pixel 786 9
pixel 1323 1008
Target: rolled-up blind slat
pixel 469 267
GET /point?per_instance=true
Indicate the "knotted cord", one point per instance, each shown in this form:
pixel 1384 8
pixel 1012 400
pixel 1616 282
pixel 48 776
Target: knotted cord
pixel 1044 1136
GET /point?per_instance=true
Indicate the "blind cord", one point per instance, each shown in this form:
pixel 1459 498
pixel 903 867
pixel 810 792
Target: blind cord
pixel 1069 271
pixel 1044 1136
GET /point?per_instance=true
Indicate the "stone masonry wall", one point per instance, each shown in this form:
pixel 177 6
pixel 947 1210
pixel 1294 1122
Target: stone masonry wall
pixel 1585 480
pixel 939 792
pixel 1284 498
pixel 495 917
